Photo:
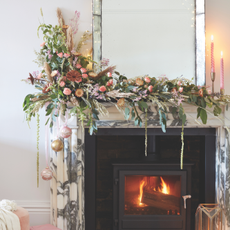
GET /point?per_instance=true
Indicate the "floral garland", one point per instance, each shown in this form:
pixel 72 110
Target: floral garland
pixel 66 79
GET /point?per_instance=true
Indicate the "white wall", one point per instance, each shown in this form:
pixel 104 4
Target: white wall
pixel 218 25
pixel 19 22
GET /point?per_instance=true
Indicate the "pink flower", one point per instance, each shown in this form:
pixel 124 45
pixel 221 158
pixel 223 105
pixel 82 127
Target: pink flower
pixel 39 76
pixel 79 80
pixel 78 66
pixel 62 83
pixel 181 89
pixel 60 55
pixel 179 83
pixel 109 74
pixel 150 88
pixel 43 43
pixel 84 75
pixel 102 88
pixel 110 82
pixel 83 70
pixel 147 79
pixel 209 91
pixel 67 91
pixel 64 78
pixel 66 55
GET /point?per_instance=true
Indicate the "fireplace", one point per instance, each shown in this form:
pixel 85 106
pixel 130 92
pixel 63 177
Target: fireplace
pixel 150 196
pixel 114 163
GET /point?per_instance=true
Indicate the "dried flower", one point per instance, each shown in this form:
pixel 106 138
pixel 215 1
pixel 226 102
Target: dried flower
pixel 54 73
pixel 84 75
pixel 92 74
pixel 48 71
pixel 174 90
pixel 74 101
pixel 62 83
pixel 69 42
pixel 150 88
pixel 67 91
pixel 40 75
pixel 73 75
pixel 147 79
pixel 201 92
pixel 139 82
pixel 79 93
pixel 181 89
pixel 121 102
pixel 79 80
pixel 74 22
pixel 102 88
pixel 46 89
pixel 78 66
pixel 61 21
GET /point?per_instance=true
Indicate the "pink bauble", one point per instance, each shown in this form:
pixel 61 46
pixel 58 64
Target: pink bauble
pixel 65 132
pixel 46 174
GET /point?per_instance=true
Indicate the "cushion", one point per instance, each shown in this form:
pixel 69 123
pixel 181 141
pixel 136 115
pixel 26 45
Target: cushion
pixel 24 218
pixel 44 227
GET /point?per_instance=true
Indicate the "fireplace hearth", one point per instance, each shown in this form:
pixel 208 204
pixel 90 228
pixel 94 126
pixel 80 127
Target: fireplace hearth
pixel 116 147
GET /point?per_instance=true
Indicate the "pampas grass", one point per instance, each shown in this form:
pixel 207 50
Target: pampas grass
pixel 61 20
pixel 69 42
pixel 48 71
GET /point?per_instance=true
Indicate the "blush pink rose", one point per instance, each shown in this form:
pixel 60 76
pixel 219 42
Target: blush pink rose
pixel 179 83
pixel 150 88
pixel 83 70
pixel 60 55
pixel 43 43
pixel 62 83
pixel 209 91
pixel 102 88
pixel 66 55
pixel 109 74
pixel 181 89
pixel 84 75
pixel 110 82
pixel 67 91
pixel 147 79
pixel 78 81
pixel 78 66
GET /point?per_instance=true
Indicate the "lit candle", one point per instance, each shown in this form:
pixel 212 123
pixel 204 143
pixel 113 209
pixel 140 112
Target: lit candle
pixel 221 72
pixel 212 56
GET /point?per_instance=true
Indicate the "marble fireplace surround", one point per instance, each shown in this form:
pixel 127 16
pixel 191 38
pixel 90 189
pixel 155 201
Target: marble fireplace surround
pixel 75 145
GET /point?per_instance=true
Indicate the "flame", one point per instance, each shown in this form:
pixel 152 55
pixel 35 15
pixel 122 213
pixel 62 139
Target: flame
pixel 165 188
pixel 141 191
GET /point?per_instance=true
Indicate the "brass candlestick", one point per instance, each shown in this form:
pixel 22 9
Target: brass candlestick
pixel 222 91
pixel 213 79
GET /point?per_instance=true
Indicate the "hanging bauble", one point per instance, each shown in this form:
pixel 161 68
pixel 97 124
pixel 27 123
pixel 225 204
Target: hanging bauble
pixel 57 145
pixel 65 131
pixel 47 174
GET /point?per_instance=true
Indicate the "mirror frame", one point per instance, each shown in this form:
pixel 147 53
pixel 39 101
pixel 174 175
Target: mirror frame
pixel 200 74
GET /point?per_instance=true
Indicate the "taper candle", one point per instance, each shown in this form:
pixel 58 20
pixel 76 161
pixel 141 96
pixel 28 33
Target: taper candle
pixel 221 71
pixel 212 56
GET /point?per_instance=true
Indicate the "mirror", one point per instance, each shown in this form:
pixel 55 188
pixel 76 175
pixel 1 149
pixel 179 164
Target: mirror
pixel 154 37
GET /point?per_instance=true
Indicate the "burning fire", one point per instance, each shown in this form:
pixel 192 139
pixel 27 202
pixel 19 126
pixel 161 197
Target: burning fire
pixel 165 188
pixel 141 191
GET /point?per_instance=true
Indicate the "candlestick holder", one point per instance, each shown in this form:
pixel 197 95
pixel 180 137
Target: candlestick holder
pixel 222 91
pixel 213 79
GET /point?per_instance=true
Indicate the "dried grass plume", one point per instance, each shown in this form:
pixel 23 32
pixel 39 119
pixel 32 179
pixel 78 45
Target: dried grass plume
pixel 69 42
pixel 48 71
pixel 61 20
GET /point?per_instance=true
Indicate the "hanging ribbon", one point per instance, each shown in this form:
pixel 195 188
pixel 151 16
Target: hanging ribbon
pixel 146 136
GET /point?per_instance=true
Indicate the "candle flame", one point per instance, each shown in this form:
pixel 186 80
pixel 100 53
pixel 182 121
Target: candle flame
pixel 221 53
pixel 212 37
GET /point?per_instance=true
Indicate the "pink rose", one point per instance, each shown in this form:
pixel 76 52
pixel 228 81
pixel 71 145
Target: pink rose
pixel 79 80
pixel 209 91
pixel 67 91
pixel 66 55
pixel 110 82
pixel 150 88
pixel 43 43
pixel 83 70
pixel 147 79
pixel 78 66
pixel 84 75
pixel 179 83
pixel 181 89
pixel 109 74
pixel 60 55
pixel 146 86
pixel 62 84
pixel 102 88
pixel 39 76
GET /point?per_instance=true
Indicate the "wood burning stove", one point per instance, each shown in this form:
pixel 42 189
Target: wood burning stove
pixel 150 196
